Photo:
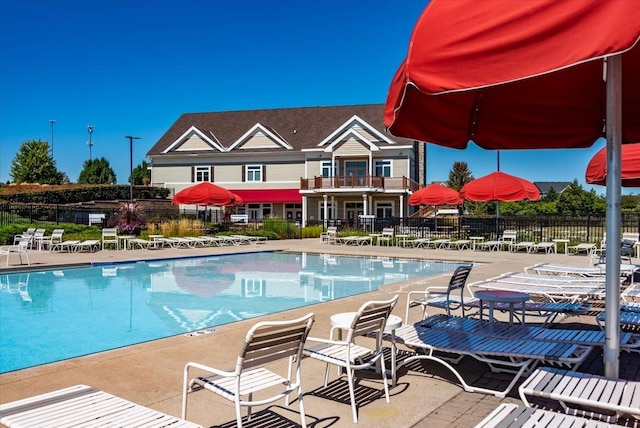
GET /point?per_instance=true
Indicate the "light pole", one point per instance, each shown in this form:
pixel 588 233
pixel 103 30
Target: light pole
pixel 90 143
pixel 51 121
pixel 131 138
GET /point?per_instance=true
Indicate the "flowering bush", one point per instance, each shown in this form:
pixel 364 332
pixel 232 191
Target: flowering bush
pixel 131 222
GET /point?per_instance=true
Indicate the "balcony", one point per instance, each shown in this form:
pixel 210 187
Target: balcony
pixel 362 181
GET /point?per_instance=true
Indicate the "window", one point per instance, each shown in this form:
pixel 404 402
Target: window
pixel 384 209
pixel 202 173
pixel 254 173
pixel 327 170
pixel 357 168
pixel 383 168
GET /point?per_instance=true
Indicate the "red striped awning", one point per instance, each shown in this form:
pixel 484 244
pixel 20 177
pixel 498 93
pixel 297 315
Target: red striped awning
pixel 291 196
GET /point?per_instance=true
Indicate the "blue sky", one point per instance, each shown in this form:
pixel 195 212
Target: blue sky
pixel 132 67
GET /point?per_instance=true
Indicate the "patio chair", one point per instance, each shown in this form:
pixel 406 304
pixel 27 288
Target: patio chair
pixel 90 245
pixel 81 405
pixel 68 246
pixel 265 343
pixel 37 237
pixel 110 237
pixel 575 391
pixel 586 247
pixel 26 234
pixel 509 415
pixel 386 238
pixel 329 237
pixel 54 238
pixel 503 355
pixel 21 249
pixel 441 296
pixel 629 315
pixel 527 246
pixel 370 320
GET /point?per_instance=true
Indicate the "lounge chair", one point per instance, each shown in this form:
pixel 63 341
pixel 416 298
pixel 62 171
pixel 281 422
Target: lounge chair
pixel 505 241
pixel 26 234
pixel 329 236
pixel 527 246
pixel 587 248
pixel 441 296
pixel 571 291
pixel 82 405
pixel 547 247
pixel 460 244
pixel 509 415
pixel 91 245
pixel 265 342
pixel 64 246
pixel 370 319
pixel 595 338
pixel 503 355
pixel 142 244
pixel 610 398
pixel 110 238
pixel 21 249
pixel 54 238
pixel 629 315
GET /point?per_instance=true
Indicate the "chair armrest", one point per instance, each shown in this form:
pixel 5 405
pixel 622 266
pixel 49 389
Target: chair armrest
pixel 327 341
pixel 206 369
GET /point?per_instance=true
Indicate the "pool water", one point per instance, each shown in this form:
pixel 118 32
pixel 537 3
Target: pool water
pixel 53 315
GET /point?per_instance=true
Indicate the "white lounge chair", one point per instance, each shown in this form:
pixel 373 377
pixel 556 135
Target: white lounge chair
pixel 587 248
pixel 64 246
pixel 265 342
pixel 82 405
pixel 26 234
pixel 509 415
pixel 547 247
pixel 54 238
pixel 576 390
pixel 527 246
pixel 370 319
pixel 329 236
pixel 503 355
pixel 91 245
pixel 386 237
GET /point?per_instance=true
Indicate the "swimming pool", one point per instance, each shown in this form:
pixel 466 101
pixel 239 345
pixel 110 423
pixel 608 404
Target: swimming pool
pixel 53 315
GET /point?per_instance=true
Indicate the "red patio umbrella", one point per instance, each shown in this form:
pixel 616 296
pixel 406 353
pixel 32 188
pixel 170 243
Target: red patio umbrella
pixel 499 186
pixel 204 193
pixel 529 75
pixel 435 194
pixel 630 172
pixel 237 199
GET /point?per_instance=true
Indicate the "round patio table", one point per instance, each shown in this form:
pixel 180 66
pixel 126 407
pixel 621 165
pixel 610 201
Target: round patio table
pixel 502 296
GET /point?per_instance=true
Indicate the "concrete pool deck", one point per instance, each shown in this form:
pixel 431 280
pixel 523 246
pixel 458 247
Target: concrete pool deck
pixel 150 374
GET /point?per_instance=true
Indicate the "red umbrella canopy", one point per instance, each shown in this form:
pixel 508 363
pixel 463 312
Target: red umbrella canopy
pixel 435 194
pixel 237 199
pixel 499 186
pixel 597 169
pixel 522 75
pixel 204 193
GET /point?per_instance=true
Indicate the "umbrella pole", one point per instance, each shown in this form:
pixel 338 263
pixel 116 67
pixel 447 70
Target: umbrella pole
pixel 614 161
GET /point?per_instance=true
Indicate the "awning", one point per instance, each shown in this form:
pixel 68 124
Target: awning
pixel 276 196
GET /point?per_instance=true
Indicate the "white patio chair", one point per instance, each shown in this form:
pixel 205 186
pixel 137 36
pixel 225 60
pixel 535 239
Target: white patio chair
pixel 265 343
pixel 370 320
pixel 386 237
pixel 21 249
pixel 110 237
pixel 513 416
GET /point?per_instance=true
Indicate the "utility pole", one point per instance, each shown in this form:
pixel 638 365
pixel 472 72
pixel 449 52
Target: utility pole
pixel 90 143
pixel 52 122
pixel 131 138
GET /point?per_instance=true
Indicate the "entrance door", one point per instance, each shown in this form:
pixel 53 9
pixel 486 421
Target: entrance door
pixel 352 211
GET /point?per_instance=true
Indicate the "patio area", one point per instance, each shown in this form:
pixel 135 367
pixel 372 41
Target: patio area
pixel 150 374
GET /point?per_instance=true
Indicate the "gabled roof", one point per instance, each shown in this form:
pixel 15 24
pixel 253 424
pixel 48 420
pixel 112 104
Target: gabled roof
pixel 301 127
pixel 545 186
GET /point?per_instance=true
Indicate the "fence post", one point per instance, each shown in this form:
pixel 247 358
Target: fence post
pixel 588 228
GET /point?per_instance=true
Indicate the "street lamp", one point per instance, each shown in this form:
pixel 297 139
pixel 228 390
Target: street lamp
pixel 51 121
pixel 90 143
pixel 131 138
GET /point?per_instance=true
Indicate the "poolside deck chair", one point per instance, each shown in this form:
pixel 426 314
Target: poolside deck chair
pixel 547 247
pixel 370 319
pixel 571 291
pixel 37 237
pixel 595 338
pixel 509 415
pixel 527 246
pixel 610 398
pixel 110 238
pixel 26 234
pixel 21 249
pixel 629 315
pixel 503 355
pixel 142 244
pixel 64 246
pixel 460 244
pixel 441 296
pixel 82 405
pixel 329 236
pixel 266 342
pixel 90 245
pixel 587 247
pixel 54 238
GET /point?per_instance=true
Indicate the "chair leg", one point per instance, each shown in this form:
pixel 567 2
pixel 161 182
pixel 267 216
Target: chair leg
pixel 300 398
pixel 239 411
pixel 352 395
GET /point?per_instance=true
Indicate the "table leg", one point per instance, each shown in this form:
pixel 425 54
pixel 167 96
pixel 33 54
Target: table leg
pixel 393 357
pixel 491 311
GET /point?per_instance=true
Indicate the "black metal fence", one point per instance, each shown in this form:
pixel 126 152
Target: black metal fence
pixel 529 228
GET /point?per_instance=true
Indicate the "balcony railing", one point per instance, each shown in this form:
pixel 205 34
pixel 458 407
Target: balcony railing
pixel 360 181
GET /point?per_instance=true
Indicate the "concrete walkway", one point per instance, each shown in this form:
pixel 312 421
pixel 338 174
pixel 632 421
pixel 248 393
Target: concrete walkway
pixel 150 374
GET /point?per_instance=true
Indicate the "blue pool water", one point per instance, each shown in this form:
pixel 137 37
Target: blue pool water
pixel 54 315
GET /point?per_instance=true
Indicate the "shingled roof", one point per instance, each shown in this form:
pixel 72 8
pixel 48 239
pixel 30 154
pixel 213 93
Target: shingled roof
pixel 301 127
pixel 545 186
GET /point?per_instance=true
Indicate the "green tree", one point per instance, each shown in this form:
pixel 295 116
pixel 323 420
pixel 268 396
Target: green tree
pixel 141 174
pixel 459 175
pixel 97 171
pixel 34 164
pixel 575 201
pixel 629 202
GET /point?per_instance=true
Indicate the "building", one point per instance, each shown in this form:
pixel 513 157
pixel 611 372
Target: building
pixel 304 164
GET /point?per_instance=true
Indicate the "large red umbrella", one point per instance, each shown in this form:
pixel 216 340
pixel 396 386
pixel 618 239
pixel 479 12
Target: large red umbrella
pixel 499 186
pixel 527 74
pixel 524 74
pixel 204 193
pixel 435 194
pixel 630 170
